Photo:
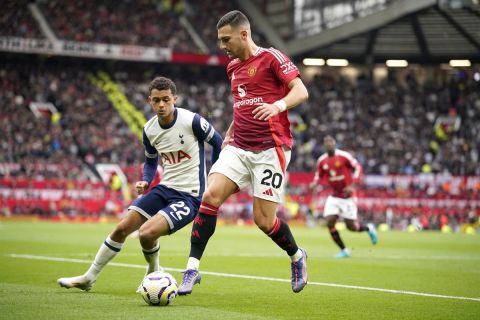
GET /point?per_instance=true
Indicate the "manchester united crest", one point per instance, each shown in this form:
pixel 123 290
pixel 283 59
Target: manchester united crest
pixel 337 164
pixel 252 71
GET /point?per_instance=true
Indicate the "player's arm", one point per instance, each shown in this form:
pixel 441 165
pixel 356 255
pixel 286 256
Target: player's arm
pixel 298 93
pixel 356 175
pixel 149 167
pixel 204 131
pixel 287 73
pixel 316 178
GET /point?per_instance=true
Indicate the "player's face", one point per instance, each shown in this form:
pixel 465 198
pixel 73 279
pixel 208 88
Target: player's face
pixel 163 104
pixel 230 41
pixel 329 143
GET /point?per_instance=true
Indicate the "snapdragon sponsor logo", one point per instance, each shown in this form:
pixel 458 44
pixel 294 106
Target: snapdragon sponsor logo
pixel 248 102
pixel 242 91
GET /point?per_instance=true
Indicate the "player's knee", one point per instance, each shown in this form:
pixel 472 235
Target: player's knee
pixel 263 224
pixel 351 227
pixel 211 198
pixel 146 234
pixel 120 233
pixel 331 224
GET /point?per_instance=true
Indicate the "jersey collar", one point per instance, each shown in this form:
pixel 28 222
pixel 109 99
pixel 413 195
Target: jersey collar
pixel 168 126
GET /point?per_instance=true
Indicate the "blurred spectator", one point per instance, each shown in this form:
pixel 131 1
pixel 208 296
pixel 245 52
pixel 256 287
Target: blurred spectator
pixel 17 21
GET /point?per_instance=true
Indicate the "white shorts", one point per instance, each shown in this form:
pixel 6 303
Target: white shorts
pixel 345 208
pixel 263 171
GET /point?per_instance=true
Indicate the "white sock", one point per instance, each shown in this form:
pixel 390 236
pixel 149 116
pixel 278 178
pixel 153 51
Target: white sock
pixel 297 256
pixel 151 256
pixel 108 250
pixel 193 263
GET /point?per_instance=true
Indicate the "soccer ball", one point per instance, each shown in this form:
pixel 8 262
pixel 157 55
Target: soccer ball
pixel 159 288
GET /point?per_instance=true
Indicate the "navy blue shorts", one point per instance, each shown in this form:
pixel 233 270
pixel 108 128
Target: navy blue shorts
pixel 179 208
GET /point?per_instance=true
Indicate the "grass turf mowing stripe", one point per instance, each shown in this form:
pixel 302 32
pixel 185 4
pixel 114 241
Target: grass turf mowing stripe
pixel 219 274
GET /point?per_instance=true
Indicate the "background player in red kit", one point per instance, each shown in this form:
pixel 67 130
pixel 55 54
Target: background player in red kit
pixel 256 153
pixel 341 171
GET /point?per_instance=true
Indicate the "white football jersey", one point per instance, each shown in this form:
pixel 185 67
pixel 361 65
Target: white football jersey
pixel 181 149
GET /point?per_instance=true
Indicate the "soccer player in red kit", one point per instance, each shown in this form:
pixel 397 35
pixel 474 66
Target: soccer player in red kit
pixel 256 148
pixel 341 171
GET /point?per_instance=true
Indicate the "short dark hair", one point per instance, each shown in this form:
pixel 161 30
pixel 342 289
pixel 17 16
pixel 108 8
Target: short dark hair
pixel 233 18
pixel 162 83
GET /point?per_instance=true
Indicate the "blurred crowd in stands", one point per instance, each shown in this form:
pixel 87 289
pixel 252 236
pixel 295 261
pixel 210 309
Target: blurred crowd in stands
pixel 153 23
pixel 406 124
pixel 400 126
pixel 390 127
pixel 86 130
pixel 17 21
pixel 182 25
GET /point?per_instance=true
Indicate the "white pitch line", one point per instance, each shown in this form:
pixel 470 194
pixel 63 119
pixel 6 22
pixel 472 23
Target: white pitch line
pixel 282 256
pixel 230 275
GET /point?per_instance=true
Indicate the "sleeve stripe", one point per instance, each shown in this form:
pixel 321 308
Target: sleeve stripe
pixel 281 54
pixel 357 174
pixel 277 55
pixel 210 134
pixel 150 155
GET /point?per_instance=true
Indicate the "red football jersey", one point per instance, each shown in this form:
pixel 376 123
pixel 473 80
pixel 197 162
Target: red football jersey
pixel 262 78
pixel 338 171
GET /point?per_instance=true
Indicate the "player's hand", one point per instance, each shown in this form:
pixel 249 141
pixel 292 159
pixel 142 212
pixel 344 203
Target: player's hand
pixel 312 186
pixel 348 191
pixel 265 111
pixel 141 186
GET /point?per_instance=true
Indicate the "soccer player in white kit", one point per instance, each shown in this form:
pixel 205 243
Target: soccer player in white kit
pixel 256 152
pixel 177 136
pixel 341 171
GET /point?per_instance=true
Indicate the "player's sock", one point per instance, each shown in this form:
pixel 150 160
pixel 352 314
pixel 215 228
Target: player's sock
pixel 360 227
pixel 282 236
pixel 193 263
pixel 336 237
pixel 108 250
pixel 297 256
pixel 203 228
pixel 151 256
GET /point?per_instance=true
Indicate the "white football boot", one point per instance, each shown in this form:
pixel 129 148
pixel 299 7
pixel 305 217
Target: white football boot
pixel 80 282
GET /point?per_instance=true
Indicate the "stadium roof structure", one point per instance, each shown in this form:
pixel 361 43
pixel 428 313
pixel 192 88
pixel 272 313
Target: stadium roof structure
pixel 420 31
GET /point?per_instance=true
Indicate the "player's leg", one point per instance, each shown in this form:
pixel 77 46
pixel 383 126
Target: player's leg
pixel 268 182
pixel 178 209
pixel 331 222
pixel 219 189
pixel 264 215
pixel 148 235
pixel 355 226
pixel 227 175
pixel 107 251
pixel 331 212
pixel 350 214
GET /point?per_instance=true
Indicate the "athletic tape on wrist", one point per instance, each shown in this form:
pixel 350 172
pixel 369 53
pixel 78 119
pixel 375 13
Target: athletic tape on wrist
pixel 281 105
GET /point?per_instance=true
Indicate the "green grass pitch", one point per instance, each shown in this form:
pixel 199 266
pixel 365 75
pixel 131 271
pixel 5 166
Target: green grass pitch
pixel 406 276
